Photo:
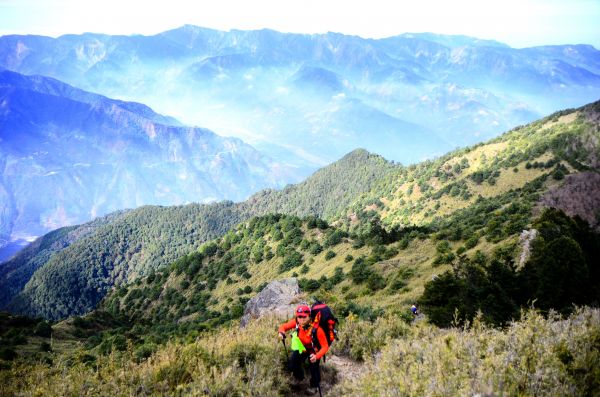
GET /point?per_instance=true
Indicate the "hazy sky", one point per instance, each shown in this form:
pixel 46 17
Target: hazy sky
pixel 519 23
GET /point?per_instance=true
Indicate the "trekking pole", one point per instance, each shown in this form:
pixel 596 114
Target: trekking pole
pixel 285 347
pixel 319 384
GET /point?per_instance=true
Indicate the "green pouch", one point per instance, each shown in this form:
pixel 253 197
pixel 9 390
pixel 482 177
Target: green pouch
pixel 297 343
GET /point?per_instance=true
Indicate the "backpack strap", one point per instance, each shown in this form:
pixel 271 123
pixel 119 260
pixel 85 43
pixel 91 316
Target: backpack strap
pixel 314 338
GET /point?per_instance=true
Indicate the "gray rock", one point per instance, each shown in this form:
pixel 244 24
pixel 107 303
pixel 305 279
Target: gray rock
pixel 525 240
pixel 277 298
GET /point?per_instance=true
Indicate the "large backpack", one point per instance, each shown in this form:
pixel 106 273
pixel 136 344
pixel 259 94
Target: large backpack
pixel 322 317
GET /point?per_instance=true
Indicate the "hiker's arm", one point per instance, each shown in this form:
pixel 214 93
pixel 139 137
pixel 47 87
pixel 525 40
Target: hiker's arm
pixel 287 326
pixel 324 345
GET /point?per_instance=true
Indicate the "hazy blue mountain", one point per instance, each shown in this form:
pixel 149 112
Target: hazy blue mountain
pixel 271 89
pixel 67 156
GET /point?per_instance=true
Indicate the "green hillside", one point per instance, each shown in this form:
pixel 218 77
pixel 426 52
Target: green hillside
pixel 212 285
pixel 16 272
pixel 75 277
pixel 473 197
pixel 541 152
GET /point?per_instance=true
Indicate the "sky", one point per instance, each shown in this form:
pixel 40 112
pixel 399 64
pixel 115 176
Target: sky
pixel 518 23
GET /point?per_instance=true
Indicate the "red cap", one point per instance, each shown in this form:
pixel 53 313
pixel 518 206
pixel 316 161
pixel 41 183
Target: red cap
pixel 302 311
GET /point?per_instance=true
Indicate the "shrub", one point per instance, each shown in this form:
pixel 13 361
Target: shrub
pixel 292 260
pixel 43 328
pixel 360 271
pixel 375 282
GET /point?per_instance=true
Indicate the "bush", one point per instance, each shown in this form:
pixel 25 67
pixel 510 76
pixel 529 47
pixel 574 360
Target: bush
pixel 315 248
pixel 7 353
pixel 292 260
pixel 360 271
pixel 329 255
pixel 333 238
pixel 375 282
pixel 471 242
pixel 309 285
pixel 43 328
pixel 467 361
pixel 145 351
pixel 45 347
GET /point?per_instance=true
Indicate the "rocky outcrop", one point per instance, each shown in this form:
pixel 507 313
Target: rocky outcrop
pixel 579 194
pixel 525 240
pixel 277 298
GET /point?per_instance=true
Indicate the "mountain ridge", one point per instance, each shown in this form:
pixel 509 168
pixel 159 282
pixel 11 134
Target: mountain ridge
pixel 155 238
pixel 455 89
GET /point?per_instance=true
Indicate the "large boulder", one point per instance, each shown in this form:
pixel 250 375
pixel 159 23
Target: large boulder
pixel 277 298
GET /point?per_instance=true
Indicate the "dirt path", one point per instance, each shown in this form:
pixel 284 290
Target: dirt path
pixel 336 369
pixel 346 368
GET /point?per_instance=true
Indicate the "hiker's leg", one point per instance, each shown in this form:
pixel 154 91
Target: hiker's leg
pixel 315 373
pixel 295 365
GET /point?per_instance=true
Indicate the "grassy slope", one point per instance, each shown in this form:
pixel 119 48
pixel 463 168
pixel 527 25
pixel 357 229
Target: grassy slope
pixel 566 138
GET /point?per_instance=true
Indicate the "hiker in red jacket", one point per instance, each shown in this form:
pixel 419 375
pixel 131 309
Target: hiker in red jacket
pixel 314 340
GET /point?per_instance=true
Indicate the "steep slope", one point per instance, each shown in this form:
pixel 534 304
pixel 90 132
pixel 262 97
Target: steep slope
pixel 16 272
pixel 68 156
pixel 300 89
pixel 549 154
pixel 210 286
pixel 73 279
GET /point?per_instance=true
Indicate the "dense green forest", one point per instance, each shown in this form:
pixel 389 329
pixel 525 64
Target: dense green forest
pixel 16 272
pixel 561 274
pixel 73 279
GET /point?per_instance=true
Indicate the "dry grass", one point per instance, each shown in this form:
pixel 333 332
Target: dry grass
pixel 532 357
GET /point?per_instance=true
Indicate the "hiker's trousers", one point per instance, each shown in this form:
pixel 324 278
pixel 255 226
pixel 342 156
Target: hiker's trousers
pixel 295 365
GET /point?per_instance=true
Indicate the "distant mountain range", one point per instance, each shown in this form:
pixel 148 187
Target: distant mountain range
pixel 67 156
pixel 308 99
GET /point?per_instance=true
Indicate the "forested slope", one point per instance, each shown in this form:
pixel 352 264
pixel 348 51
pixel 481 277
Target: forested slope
pixel 73 280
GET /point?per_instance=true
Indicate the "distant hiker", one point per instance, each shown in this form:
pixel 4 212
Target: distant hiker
pixel 304 347
pixel 414 310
